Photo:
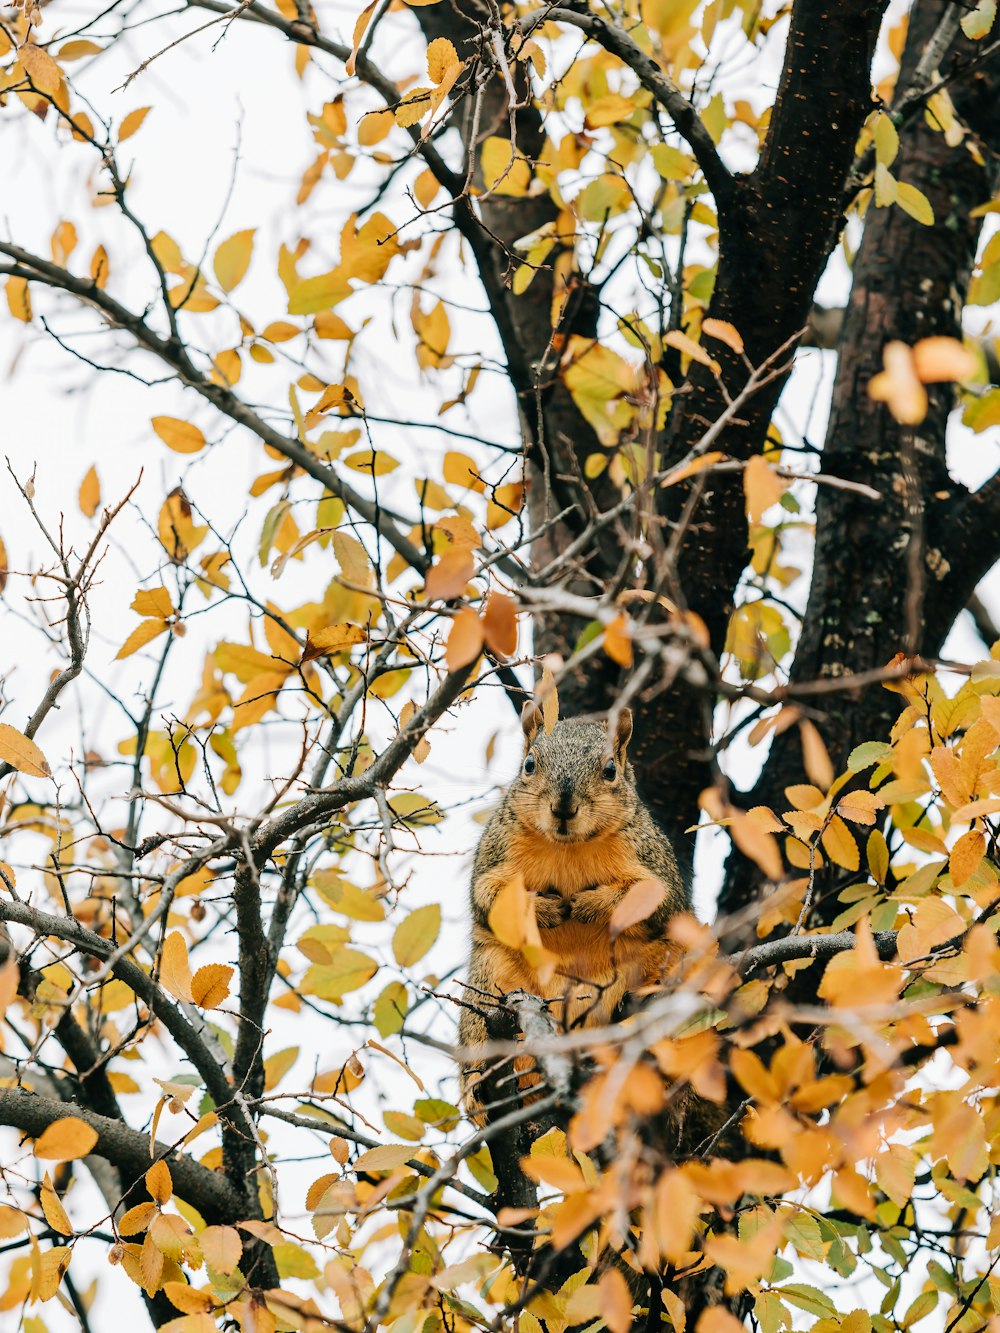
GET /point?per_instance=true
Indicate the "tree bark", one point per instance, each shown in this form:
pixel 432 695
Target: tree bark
pixel 890 576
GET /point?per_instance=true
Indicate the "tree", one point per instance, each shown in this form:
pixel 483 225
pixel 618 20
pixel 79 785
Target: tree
pixel 648 229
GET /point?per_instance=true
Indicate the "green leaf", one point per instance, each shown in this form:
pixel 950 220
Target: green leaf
pixel 810 1299
pixel 434 1111
pixel 416 934
pixel 976 24
pixel 391 1008
pixel 802 1229
pixel 866 754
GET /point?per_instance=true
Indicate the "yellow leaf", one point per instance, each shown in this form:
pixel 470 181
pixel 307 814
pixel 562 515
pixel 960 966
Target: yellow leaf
pixel 40 68
pixel 504 172
pixel 181 436
pixel 21 753
pixel 839 844
pixel 175 970
pixel 66 1139
pixel 153 602
pixel 150 1266
pixel 232 259
pixel 416 934
pixel 176 529
pixel 55 1213
pixel 333 639
pixel 159 1183
pixel 189 1300
pixel 361 24
pixel 210 985
pixel 90 493
pixel 512 916
pixel 132 122
pixel 959 1135
pixel 616 1301
pixel 78 49
pixel 915 202
pixel 137 1219
pixel 140 636
pixel 353 560
pixel 933 922
pixel 460 470
pixel 441 59
pixel 19 299
pixel 277 1066
pixel 609 110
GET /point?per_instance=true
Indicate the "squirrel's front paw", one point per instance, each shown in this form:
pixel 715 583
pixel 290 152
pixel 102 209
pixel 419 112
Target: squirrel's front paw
pixel 551 908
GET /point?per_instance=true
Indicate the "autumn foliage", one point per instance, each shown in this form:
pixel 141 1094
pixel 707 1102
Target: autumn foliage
pixel 471 396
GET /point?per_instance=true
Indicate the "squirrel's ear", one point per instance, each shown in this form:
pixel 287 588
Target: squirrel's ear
pixel 623 732
pixel 531 720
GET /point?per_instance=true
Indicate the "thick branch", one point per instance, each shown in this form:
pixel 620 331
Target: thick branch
pixel 156 1000
pixel 129 1150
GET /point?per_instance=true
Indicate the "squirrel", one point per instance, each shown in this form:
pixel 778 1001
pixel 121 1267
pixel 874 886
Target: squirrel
pixel 573 826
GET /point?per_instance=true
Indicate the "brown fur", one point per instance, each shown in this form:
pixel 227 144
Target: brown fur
pixel 579 841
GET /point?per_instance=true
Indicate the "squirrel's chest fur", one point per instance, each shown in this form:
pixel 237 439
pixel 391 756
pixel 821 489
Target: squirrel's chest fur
pixel 571 866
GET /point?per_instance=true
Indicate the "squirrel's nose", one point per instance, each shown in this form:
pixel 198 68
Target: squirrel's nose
pixel 563 812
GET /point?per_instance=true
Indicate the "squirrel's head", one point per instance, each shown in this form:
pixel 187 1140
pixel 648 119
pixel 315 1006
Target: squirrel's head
pixel 575 781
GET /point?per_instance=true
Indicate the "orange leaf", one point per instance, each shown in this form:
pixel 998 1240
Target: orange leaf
pixel 500 624
pixel 449 575
pixel 132 122
pixel 90 493
pixel 21 753
pixel 815 756
pixel 939 359
pixel 966 856
pixel 210 985
pixel 616 1301
pixel 221 1248
pixel 640 902
pixel 180 436
pixel 465 639
pixel 55 1213
pixel 724 332
pixel 140 636
pixel 159 1183
pixel 66 1139
pixel 618 641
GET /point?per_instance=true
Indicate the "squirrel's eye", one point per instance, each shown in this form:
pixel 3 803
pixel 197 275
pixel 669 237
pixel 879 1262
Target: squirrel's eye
pixel 610 772
pixel 529 765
